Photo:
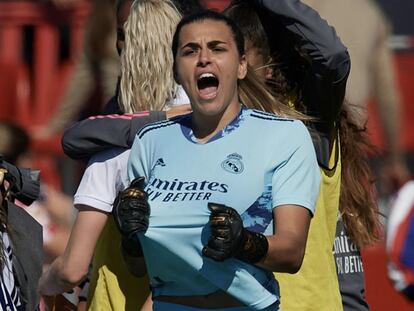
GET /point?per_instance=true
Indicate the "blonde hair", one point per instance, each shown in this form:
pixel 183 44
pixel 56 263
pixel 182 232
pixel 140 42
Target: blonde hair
pixel 147 79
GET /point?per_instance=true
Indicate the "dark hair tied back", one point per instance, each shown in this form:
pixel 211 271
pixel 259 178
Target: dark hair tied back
pixel 209 15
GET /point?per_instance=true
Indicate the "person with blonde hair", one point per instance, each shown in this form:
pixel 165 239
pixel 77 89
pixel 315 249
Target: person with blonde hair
pixel 147 78
pixel 106 172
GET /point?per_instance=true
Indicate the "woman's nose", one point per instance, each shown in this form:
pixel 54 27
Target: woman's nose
pixel 204 58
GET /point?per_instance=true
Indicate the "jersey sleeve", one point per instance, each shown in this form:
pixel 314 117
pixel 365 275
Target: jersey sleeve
pixel 100 133
pixel 138 164
pixel 296 180
pixel 104 177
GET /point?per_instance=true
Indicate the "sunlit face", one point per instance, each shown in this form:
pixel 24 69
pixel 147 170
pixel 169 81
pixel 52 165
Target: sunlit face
pixel 121 18
pixel 208 66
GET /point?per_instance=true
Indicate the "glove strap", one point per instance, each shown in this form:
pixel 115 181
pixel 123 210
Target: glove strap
pixel 254 247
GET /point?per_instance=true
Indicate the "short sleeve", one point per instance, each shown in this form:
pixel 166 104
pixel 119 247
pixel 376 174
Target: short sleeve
pixel 296 180
pixel 138 161
pixel 104 177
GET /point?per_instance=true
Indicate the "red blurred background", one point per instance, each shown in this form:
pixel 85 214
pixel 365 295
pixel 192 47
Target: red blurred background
pixel 33 77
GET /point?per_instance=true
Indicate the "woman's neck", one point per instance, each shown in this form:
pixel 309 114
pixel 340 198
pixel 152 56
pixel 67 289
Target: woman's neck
pixel 205 127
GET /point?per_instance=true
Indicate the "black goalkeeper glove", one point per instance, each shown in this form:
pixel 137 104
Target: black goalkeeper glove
pixel 131 215
pixel 131 209
pixel 229 238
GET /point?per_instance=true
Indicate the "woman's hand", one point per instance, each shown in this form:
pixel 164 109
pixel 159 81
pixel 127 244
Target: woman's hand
pixel 49 303
pixel 58 302
pixel 147 306
pixel 131 215
pixel 131 209
pixel 226 232
pixel 178 111
pixel 280 252
pixel 229 238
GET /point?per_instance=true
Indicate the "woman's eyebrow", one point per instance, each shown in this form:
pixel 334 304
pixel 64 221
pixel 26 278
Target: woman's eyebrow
pixel 214 43
pixel 210 44
pixel 192 45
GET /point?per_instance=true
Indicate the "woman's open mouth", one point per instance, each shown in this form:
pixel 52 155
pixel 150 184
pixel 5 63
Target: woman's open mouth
pixel 207 84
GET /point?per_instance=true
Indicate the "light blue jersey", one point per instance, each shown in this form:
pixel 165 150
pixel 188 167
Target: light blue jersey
pixel 256 163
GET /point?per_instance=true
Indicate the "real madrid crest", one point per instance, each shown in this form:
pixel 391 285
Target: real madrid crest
pixel 233 164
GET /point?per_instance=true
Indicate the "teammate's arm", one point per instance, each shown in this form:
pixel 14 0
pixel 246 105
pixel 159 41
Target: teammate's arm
pixel 323 88
pixel 90 136
pixel 96 134
pixel 71 267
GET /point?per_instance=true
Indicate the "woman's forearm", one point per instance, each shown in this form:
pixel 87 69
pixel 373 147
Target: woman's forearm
pixel 57 280
pixel 95 134
pixel 284 255
pixel 71 267
pixel 287 246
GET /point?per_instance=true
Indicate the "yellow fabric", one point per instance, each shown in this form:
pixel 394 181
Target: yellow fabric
pixel 112 286
pixel 315 287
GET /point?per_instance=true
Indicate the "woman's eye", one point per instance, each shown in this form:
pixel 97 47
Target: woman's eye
pixel 188 52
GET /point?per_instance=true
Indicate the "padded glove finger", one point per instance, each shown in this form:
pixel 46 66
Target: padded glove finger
pixel 221 233
pixel 225 228
pixel 219 221
pixel 131 209
pixel 214 254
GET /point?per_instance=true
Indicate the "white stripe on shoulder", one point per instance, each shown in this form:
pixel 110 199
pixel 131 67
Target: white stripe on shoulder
pixel 155 126
pixel 269 116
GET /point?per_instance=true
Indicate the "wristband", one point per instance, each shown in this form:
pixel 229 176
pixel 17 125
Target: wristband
pixel 254 247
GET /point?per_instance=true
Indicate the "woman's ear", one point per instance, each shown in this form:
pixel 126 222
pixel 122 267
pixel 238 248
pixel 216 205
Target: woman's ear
pixel 269 71
pixel 241 74
pixel 176 79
